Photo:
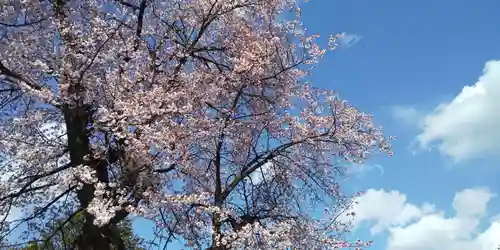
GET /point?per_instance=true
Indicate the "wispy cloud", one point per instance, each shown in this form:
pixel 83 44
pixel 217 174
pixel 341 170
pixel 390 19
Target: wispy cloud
pixel 361 169
pixel 299 2
pixel 349 39
pixel 408 116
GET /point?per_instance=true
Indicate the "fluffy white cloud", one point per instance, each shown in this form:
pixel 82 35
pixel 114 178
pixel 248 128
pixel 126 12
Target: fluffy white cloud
pixel 467 126
pixel 386 209
pixel 413 227
pixel 471 202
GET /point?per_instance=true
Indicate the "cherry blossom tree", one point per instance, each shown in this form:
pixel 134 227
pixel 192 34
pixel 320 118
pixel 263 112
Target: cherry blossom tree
pixel 195 114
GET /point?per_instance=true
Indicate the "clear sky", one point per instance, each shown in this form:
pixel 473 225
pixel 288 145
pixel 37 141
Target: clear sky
pixel 427 71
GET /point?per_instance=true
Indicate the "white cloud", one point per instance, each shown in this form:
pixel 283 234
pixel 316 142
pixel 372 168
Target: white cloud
pixel 463 205
pixel 362 169
pixel 386 209
pixel 467 126
pixel 347 39
pixel 411 227
pixel 265 172
pixel 408 116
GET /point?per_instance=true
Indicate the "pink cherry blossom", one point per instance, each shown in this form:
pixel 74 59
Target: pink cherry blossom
pixel 168 110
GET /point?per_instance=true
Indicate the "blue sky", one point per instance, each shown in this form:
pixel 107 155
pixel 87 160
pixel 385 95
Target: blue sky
pixel 409 67
pixel 407 62
pixel 430 73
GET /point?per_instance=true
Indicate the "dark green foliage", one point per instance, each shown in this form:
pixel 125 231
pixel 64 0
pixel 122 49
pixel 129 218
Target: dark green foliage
pixel 63 235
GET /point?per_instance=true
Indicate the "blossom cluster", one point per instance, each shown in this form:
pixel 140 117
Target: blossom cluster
pixel 170 110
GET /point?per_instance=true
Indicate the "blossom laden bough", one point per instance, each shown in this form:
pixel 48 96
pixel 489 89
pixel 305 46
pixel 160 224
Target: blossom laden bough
pixel 168 110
